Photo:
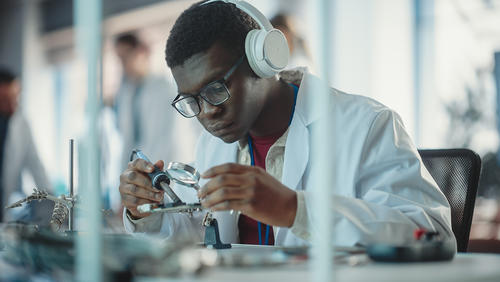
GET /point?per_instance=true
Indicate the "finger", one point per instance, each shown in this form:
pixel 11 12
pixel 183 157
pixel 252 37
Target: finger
pixel 141 165
pixel 137 178
pixel 238 205
pixel 222 180
pixel 139 192
pixel 226 168
pixel 160 164
pixel 137 214
pixel 226 194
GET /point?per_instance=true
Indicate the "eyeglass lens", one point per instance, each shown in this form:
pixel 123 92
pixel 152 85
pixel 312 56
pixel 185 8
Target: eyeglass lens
pixel 215 93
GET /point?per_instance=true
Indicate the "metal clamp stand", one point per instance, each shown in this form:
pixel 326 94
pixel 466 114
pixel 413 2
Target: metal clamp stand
pixel 212 236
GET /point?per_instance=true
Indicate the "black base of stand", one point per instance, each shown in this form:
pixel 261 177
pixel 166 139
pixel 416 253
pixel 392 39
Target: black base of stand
pixel 212 237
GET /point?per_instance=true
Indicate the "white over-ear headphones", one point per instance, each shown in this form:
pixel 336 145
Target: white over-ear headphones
pixel 266 48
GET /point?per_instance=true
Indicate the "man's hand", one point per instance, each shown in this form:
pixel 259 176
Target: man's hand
pixel 250 190
pixel 136 188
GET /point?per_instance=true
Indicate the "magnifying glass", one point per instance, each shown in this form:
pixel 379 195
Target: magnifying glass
pixel 183 174
pixel 176 172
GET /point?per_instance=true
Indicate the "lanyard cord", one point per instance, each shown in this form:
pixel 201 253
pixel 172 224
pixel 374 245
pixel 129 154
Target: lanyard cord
pixel 252 162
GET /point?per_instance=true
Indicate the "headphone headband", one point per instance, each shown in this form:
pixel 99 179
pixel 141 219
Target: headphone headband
pixel 261 20
pixel 266 48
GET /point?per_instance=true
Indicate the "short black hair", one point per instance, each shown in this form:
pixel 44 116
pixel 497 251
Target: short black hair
pixel 129 39
pixel 6 75
pixel 280 20
pixel 200 26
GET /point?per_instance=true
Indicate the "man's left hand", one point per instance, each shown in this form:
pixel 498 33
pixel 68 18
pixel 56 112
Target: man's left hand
pixel 252 191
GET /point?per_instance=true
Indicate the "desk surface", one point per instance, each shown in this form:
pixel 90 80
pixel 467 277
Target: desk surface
pixel 468 267
pixel 464 267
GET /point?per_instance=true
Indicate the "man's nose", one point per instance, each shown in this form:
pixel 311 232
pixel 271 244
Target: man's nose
pixel 208 110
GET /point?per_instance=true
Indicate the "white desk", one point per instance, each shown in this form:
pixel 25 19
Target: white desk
pixel 464 267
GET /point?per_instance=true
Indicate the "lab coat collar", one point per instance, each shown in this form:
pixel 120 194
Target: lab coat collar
pixel 304 98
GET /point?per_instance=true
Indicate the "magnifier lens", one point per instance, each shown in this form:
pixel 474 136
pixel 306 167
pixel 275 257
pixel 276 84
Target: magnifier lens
pixel 183 176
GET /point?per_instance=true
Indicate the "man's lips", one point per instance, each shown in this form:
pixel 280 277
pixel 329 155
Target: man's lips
pixel 219 127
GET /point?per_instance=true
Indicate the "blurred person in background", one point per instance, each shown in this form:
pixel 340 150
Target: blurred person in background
pixel 299 53
pixel 144 117
pixel 17 153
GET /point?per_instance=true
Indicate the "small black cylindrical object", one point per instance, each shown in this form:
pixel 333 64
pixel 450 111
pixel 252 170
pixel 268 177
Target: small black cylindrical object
pixel 157 176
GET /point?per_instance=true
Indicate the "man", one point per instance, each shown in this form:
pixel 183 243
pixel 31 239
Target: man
pixel 17 149
pixel 382 190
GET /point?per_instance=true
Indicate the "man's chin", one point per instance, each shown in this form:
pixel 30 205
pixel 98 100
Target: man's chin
pixel 228 138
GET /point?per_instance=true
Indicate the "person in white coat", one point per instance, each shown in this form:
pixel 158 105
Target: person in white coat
pixel 145 118
pixel 18 151
pixel 255 152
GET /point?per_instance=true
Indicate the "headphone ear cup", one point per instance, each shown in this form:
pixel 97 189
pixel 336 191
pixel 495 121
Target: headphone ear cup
pixel 252 52
pixel 267 51
pixel 275 49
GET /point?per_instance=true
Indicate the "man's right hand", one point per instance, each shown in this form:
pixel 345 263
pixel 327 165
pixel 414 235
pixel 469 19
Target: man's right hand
pixel 136 188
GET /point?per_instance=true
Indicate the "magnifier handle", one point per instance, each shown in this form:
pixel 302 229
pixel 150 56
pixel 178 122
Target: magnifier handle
pixel 157 176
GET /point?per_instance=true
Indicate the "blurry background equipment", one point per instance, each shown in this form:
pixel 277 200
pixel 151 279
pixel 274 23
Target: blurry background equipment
pixel 38 250
pixel 63 205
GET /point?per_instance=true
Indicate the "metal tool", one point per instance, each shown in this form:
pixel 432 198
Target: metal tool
pixel 154 208
pixel 71 187
pixel 64 204
pixel 185 175
pixel 179 173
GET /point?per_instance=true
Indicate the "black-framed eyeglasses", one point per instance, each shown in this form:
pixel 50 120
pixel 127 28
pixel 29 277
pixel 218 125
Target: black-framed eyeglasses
pixel 215 93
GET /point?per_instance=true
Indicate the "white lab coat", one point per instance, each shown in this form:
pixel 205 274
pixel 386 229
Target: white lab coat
pixel 382 191
pixel 20 154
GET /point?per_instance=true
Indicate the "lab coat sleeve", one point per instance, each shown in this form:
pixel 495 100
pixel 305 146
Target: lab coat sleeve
pixel 34 164
pixel 166 225
pixel 393 195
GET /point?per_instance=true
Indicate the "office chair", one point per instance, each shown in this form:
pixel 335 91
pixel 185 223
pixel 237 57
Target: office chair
pixel 456 172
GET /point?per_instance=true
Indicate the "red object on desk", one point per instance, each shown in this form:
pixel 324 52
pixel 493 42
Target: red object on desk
pixel 418 233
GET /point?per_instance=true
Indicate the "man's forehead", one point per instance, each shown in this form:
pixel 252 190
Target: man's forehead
pixel 189 74
pixel 200 69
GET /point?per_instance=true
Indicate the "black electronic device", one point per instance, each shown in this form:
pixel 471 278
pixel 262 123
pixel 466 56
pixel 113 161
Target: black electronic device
pixel 428 246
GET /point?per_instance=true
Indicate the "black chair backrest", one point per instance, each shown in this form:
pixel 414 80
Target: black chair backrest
pixel 456 172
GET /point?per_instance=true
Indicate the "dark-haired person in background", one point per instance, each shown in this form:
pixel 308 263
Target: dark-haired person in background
pixel 255 152
pixel 299 52
pixel 17 149
pixel 144 115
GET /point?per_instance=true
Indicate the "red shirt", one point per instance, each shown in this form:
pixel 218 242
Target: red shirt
pixel 248 227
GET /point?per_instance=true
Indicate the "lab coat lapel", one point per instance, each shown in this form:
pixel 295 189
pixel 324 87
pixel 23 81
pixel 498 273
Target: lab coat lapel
pixel 297 145
pixel 296 158
pixel 297 142
pixel 296 154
